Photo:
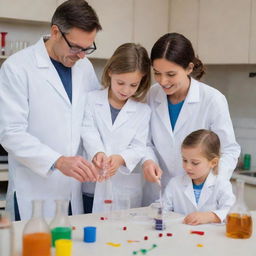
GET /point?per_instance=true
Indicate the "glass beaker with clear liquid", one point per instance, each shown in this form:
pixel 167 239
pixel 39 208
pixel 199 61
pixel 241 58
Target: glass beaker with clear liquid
pixel 36 233
pixel 239 221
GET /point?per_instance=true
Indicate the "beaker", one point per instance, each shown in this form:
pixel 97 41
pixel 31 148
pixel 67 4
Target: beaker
pixel 60 225
pixel 36 233
pixel 3 40
pixel 122 203
pixel 6 235
pixel 239 221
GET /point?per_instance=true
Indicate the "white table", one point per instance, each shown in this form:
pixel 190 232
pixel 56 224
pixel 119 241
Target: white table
pixel 181 243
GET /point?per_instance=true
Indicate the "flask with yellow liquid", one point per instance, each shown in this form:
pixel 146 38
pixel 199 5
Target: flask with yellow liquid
pixel 239 220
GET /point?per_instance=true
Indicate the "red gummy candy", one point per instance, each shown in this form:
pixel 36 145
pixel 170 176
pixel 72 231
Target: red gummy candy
pixel 108 201
pixel 145 238
pixel 201 233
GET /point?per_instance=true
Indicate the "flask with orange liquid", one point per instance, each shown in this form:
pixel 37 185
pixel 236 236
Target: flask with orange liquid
pixel 239 220
pixel 36 233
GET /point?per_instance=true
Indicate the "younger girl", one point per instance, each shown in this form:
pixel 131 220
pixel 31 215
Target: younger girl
pixel 116 123
pixel 200 193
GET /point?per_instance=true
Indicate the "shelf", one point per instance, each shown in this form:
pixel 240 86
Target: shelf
pixel 33 22
pixel 3 189
pixel 3 57
pixel 3 172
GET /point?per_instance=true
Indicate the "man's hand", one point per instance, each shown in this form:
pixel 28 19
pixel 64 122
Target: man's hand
pixel 77 167
pixel 152 172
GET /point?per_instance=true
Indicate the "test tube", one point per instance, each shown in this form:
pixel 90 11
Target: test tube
pixel 3 37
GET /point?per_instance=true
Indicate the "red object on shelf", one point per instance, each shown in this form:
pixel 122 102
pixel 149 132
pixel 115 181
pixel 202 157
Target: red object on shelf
pixel 3 35
pixel 160 235
pixel 124 228
pixel 201 233
pixel 108 201
pixel 145 238
pixel 102 218
pixel 169 234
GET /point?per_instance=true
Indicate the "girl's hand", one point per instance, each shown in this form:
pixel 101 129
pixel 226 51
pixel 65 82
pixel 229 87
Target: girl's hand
pixel 152 172
pixel 99 160
pixel 113 163
pixel 197 218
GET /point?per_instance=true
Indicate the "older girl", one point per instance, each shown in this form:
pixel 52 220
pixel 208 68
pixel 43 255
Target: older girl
pixel 116 123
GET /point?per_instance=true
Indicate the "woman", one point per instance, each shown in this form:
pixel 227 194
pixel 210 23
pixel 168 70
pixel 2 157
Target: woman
pixel 180 105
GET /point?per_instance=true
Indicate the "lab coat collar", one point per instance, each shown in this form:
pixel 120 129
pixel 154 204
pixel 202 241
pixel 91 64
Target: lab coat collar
pixel 44 62
pixel 124 114
pixel 187 109
pixel 206 190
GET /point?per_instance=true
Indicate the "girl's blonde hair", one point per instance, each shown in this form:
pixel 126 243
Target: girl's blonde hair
pixel 208 141
pixel 128 58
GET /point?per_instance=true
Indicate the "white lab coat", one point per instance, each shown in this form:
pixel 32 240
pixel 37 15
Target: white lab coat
pixel 38 124
pixel 203 108
pixel 216 196
pixel 127 137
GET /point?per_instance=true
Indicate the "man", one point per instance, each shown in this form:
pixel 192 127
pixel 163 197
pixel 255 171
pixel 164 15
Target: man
pixel 42 97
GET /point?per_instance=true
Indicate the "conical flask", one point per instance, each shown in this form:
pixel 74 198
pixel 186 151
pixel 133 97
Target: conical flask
pixel 36 233
pixel 239 220
pixel 60 225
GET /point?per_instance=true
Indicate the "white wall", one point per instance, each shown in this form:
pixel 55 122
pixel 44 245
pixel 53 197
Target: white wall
pixel 234 82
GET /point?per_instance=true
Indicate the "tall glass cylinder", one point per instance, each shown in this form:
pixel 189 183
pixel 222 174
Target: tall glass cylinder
pixel 239 220
pixel 36 233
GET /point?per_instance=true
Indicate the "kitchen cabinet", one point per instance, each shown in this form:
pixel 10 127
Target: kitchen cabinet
pixel 116 18
pixel 139 21
pixel 224 31
pixel 252 48
pixel 29 10
pixel 219 30
pixel 184 19
pixel 150 21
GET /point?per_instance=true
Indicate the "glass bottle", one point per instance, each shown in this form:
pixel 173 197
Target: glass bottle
pixel 36 233
pixel 60 225
pixel 239 220
pixel 6 235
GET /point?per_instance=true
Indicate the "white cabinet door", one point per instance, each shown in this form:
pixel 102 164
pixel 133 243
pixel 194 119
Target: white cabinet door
pixel 150 21
pixel 252 48
pixel 184 19
pixel 224 31
pixel 116 18
pixel 33 10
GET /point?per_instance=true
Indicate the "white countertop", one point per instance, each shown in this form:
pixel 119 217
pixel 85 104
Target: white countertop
pixel 181 243
pixel 247 179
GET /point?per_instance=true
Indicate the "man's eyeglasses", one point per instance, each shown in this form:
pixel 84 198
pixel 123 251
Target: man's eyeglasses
pixel 76 49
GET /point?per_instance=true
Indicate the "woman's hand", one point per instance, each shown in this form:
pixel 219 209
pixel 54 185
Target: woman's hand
pixel 152 172
pixel 197 218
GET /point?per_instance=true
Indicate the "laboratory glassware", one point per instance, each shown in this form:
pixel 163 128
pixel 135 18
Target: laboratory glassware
pixel 239 220
pixel 36 233
pixel 3 40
